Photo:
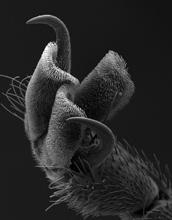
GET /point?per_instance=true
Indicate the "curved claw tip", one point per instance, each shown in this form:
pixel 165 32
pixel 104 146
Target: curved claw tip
pixel 85 121
pixel 100 128
pixel 106 135
pixel 42 19
pixel 62 39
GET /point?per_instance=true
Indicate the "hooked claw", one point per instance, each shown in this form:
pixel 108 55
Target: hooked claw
pixel 96 156
pixel 62 35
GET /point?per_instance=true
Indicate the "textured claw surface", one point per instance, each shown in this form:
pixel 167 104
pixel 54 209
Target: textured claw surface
pixel 47 78
pixel 41 91
pixel 63 138
pixel 106 89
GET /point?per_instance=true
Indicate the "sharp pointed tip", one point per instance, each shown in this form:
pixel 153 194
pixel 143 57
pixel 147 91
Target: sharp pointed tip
pixel 41 19
pixel 93 124
pixel 33 20
pixel 29 21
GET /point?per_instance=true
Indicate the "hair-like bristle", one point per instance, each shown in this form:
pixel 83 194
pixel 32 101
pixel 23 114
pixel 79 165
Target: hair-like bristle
pixel 16 96
pixel 169 176
pixel 109 187
pixel 121 185
pixel 163 210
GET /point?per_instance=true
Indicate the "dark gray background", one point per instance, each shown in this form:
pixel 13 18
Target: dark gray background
pixel 140 31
